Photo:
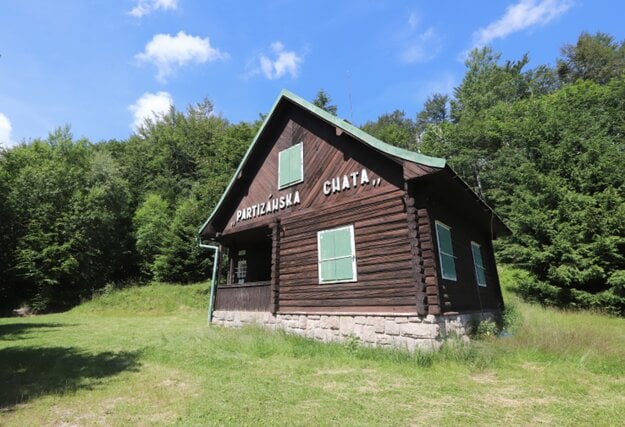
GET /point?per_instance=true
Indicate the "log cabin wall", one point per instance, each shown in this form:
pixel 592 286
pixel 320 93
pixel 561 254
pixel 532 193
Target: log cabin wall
pixel 464 294
pixel 427 261
pixel 373 202
pixel 386 281
pixel 326 156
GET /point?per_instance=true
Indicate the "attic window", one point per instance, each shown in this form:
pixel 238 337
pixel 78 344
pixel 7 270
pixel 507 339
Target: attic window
pixel 291 166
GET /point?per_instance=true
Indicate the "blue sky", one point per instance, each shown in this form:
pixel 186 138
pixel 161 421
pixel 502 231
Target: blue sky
pixel 101 66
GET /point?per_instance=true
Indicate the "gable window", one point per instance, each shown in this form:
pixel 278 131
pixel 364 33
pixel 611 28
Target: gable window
pixel 445 251
pixel 478 264
pixel 291 166
pixel 336 255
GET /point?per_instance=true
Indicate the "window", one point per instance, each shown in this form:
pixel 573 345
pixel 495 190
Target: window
pixel 478 263
pixel 445 251
pixel 241 271
pixel 291 166
pixel 337 255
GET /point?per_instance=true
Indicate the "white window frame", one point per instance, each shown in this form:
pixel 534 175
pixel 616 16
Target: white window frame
pixel 241 266
pixel 441 253
pixel 353 247
pixel 475 266
pixel 301 165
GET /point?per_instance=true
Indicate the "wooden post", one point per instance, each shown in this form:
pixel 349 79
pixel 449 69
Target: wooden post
pixel 231 255
pixel 275 267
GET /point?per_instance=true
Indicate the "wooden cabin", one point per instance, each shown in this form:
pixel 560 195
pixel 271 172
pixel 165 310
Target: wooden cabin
pixel 330 233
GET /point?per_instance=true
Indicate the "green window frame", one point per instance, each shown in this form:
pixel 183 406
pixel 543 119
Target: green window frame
pixel 291 166
pixel 478 264
pixel 446 256
pixel 336 255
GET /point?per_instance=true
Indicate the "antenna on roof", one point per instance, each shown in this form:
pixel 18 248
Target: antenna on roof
pixel 349 94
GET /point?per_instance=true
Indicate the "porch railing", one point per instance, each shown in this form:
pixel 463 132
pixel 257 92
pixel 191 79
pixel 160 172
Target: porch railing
pixel 252 296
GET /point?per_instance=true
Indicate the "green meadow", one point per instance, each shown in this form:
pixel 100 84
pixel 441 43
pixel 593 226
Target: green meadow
pixel 146 356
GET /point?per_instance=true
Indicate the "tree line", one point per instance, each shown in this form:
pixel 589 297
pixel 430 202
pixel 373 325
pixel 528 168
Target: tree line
pixel 544 146
pixel 77 216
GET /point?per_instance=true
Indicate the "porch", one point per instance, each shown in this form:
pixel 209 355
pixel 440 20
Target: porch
pixel 251 282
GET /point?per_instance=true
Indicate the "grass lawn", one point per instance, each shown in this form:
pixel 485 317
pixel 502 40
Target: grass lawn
pixel 146 356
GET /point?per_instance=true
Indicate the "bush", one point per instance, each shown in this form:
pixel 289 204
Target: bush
pixel 608 301
pixel 487 328
pixel 511 318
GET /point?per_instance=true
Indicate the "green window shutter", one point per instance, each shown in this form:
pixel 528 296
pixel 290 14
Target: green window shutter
pixel 478 263
pixel 290 166
pixel 284 170
pixel 446 252
pixel 337 262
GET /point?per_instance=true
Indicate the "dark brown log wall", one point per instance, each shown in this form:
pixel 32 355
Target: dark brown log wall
pixel 389 271
pixel 464 294
pixel 383 256
pixel 326 156
pixel 428 262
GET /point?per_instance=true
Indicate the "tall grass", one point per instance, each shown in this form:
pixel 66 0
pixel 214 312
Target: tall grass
pixel 146 355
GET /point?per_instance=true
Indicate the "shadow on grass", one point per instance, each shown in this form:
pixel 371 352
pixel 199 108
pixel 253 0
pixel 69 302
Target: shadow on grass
pixel 30 372
pixel 16 331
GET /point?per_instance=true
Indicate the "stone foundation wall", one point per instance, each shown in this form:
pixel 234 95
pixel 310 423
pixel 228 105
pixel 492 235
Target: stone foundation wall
pixel 403 331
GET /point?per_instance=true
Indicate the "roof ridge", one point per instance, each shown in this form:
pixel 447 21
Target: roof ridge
pixel 368 139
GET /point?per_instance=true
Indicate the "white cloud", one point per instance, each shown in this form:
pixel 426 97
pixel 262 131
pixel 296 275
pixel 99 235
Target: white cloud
pixel 413 20
pixel 168 52
pixel 422 47
pixel 414 43
pixel 522 15
pixel 145 7
pixel 5 132
pixel 284 62
pixel 150 106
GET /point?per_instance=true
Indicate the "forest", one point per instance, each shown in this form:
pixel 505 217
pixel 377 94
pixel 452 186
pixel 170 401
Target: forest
pixel 543 145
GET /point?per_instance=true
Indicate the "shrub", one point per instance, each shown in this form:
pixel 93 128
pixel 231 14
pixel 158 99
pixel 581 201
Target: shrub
pixel 511 318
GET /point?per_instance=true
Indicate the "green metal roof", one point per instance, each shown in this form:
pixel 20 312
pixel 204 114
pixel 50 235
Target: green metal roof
pixel 347 127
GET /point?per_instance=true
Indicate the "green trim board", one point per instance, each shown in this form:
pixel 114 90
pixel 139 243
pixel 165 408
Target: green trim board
pixel 364 137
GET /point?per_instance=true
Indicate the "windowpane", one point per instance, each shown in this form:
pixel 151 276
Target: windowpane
pixel 295 163
pixel 344 269
pixel 478 263
pixel 342 242
pixel 444 239
pixel 284 171
pixel 448 267
pixel 327 245
pixel 328 271
pixel 445 252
